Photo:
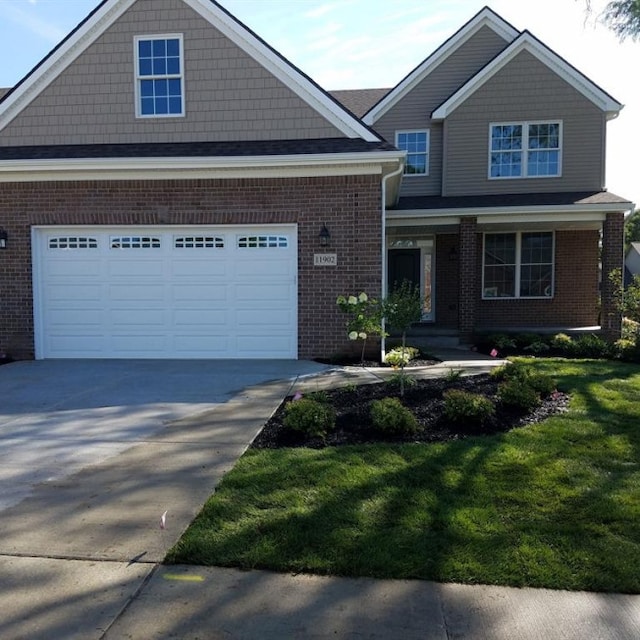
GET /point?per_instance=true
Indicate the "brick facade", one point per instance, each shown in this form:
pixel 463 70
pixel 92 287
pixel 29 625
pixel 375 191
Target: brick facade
pixel 612 258
pixel 349 206
pixel 575 300
pixel 468 283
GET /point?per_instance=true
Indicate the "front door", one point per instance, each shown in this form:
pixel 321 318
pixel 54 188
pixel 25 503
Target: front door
pixel 416 266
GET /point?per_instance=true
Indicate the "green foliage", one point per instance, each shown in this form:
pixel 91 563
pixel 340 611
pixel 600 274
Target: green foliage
pixel 623 18
pixel 537 347
pixel 501 341
pixel 591 346
pixel 403 306
pixel 453 375
pixel 562 341
pixel 401 356
pixel 401 380
pixel 627 350
pixel 518 393
pixel 310 416
pixel 522 374
pixel 631 230
pixel 524 340
pixel 364 317
pixel 630 329
pixel 389 415
pixel 463 406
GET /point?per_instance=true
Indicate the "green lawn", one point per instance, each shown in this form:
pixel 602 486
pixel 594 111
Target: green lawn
pixel 554 505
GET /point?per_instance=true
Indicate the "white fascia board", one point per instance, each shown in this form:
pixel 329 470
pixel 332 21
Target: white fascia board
pixel 348 124
pixel 485 18
pixel 521 215
pixel 61 58
pixel 527 42
pixel 311 165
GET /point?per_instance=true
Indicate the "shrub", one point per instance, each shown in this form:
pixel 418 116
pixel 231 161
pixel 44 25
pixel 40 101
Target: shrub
pixel 519 394
pixel 592 346
pixel 509 371
pixel 501 341
pixel 630 329
pixel 463 406
pixel 627 350
pixel 563 342
pixel 400 380
pixel 401 356
pixel 524 374
pixel 537 347
pixel 309 416
pixel 524 340
pixel 389 415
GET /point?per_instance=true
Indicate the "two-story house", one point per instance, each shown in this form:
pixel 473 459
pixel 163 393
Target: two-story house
pixel 172 187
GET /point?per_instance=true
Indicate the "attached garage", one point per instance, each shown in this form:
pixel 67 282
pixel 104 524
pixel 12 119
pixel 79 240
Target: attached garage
pixel 165 292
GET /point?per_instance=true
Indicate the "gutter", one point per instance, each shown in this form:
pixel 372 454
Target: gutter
pixel 383 289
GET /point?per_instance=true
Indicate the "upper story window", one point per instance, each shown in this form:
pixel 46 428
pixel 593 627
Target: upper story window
pixel 525 150
pixel 416 144
pixel 159 76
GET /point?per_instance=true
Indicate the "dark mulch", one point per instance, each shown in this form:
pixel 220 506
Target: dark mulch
pixel 424 398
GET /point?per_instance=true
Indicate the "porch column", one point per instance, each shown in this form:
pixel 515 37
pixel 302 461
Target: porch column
pixel 467 279
pixel 612 258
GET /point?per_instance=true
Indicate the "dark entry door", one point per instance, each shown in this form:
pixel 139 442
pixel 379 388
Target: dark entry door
pixel 404 264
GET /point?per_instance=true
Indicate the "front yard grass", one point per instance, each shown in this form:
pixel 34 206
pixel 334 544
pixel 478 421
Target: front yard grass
pixel 554 505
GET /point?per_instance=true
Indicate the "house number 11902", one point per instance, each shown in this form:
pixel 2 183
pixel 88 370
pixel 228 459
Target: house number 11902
pixel 325 259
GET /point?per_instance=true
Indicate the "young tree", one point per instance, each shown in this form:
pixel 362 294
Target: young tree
pixel 401 308
pixel 622 17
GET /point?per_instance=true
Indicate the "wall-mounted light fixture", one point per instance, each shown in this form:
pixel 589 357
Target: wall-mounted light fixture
pixel 3 238
pixel 453 254
pixel 325 236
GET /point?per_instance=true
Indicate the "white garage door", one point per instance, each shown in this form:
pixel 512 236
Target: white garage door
pixel 165 292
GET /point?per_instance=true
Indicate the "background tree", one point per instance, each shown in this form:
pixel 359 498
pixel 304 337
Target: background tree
pixel 622 17
pixel 631 230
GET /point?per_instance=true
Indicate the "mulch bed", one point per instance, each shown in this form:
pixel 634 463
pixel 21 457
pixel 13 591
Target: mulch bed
pixel 424 398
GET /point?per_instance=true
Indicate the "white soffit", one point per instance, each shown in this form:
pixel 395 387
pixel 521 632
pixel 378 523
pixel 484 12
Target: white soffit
pixel 527 42
pixel 107 13
pixel 485 18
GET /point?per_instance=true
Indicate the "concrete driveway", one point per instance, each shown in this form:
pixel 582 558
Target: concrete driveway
pixel 60 416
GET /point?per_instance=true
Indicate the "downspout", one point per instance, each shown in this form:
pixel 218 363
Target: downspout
pixel 384 248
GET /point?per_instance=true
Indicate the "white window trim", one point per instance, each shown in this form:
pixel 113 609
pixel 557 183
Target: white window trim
pixel 525 148
pixel 427 153
pixel 518 265
pixel 138 78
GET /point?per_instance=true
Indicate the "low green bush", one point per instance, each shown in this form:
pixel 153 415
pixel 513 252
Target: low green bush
pixel 627 350
pixel 592 346
pixel 524 340
pixel 537 347
pixel 400 357
pixel 464 406
pixel 310 417
pixel 518 393
pixel 501 341
pixel 525 374
pixel 562 342
pixel 389 415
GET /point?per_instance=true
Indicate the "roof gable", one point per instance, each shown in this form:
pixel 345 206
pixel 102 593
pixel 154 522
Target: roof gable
pixel 108 12
pixel 484 18
pixel 527 42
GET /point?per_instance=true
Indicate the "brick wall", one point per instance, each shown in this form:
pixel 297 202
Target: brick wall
pixel 612 258
pixel 468 285
pixel 575 300
pixel 446 292
pixel 349 206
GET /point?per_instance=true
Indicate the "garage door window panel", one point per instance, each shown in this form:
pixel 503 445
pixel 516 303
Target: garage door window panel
pixel 71 242
pixel 198 242
pixel 135 242
pixel 263 242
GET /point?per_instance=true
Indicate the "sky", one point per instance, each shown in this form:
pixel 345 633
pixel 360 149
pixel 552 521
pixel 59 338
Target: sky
pixel 358 44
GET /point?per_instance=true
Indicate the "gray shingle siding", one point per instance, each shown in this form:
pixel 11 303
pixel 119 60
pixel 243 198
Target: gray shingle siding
pixel 524 90
pixel 414 110
pixel 229 96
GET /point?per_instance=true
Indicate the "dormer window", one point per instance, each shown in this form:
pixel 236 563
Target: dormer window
pixel 525 150
pixel 159 76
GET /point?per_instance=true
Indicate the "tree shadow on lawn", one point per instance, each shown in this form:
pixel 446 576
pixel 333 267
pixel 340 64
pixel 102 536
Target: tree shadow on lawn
pixel 548 505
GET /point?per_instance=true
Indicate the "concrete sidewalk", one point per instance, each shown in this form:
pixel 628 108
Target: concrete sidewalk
pixel 80 557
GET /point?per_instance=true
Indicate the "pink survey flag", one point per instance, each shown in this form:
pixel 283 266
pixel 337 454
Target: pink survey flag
pixel 493 353
pixel 297 396
pixel 163 520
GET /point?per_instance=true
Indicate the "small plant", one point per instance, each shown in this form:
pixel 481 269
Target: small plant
pixel 401 380
pixel 310 417
pixel 537 347
pixel 519 394
pixel 525 375
pixel 319 396
pixel 501 341
pixel 463 406
pixel 401 356
pixel 563 342
pixel 524 340
pixel 389 415
pixel 592 346
pixel 453 375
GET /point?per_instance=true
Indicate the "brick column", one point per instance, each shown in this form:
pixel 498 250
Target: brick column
pixel 468 279
pixel 612 258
